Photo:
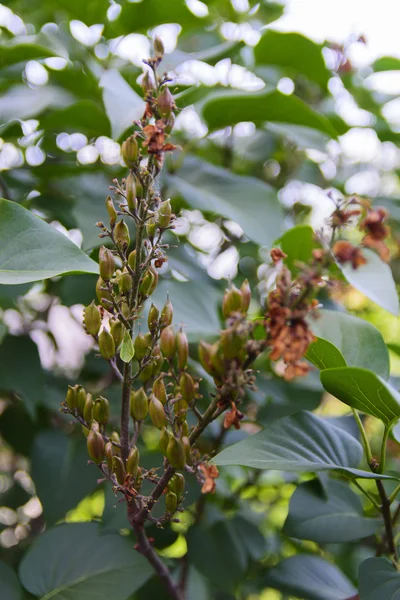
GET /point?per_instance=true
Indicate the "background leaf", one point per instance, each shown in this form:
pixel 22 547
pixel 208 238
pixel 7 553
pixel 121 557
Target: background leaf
pixel 10 586
pixel 376 575
pixel 123 105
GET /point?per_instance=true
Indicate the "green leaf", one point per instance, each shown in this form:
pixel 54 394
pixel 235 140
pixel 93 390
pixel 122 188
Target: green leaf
pixel 231 107
pixel 143 16
pixel 32 250
pixel 246 200
pixel 303 137
pixel 76 562
pixel 386 63
pixel 363 390
pixel 210 55
pixel 22 102
pixel 359 342
pixel 127 351
pixel 85 116
pixel 299 443
pixel 332 517
pixel 325 355
pixel 298 243
pixel 378 579
pixel 15 53
pixel 311 578
pixel 374 280
pixel 60 472
pixel 10 586
pixel 122 104
pixel 294 51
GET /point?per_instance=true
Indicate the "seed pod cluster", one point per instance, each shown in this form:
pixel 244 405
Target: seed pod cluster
pixel 236 300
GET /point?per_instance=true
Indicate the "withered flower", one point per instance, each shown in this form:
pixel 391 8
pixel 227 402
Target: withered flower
pixel 376 231
pixel 345 252
pixel 210 473
pixel 155 139
pixel 341 217
pixel 233 417
pixel 277 255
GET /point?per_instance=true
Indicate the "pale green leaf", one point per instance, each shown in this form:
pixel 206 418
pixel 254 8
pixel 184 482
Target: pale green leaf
pixel 127 351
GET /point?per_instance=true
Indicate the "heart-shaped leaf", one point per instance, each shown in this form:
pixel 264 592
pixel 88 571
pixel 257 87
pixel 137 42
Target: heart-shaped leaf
pixel 32 250
pixel 363 390
pixel 331 515
pixel 378 580
pixel 76 562
pixel 299 443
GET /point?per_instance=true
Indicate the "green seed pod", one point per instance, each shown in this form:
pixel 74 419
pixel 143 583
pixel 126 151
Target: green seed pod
pixel 106 344
pixel 177 484
pixel 88 408
pixel 119 469
pixel 125 282
pixel 85 431
pixel 106 263
pixel 186 447
pixel 130 192
pixel 170 123
pixel 165 102
pixel 168 341
pixel 171 502
pixel 121 234
pixel 187 387
pixel 109 454
pixel 157 360
pixel 164 214
pixel 103 294
pixel 142 345
pixel 176 453
pixel 152 319
pixel 132 462
pixel 125 309
pixel 159 390
pixel 95 446
pixel 151 228
pixel 246 295
pixel 92 319
pixel 130 151
pixel 112 213
pixel 139 405
pixel 70 398
pixel 149 282
pixel 205 356
pixel 132 260
pixel 180 409
pixel 185 429
pixel 217 359
pixel 167 314
pixel 182 348
pixel 158 47
pixel 232 301
pixel 117 331
pixel 231 344
pixel 164 440
pixel 157 414
pixel 147 83
pixel 101 410
pixel 114 437
pixel 80 399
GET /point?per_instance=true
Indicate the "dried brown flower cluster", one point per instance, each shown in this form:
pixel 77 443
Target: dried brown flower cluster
pixel 376 231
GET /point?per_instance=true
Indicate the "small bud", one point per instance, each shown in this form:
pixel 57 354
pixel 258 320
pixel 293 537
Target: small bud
pixel 246 295
pixel 103 294
pixel 167 314
pixel 108 451
pixel 106 344
pixel 88 409
pixel 149 282
pixel 125 283
pixel 164 440
pixel 187 387
pixel 159 390
pixel 168 341
pixel 165 102
pixel 176 453
pixel 101 410
pixel 177 484
pixel 170 123
pixel 186 447
pixel 125 309
pixel 117 331
pixel 157 414
pixel 151 228
pixel 130 151
pixel 164 214
pixel 139 405
pixel 92 319
pixel 130 192
pixel 142 345
pixel 180 409
pixel 152 319
pixel 171 502
pixel 70 398
pixel 182 347
pixel 121 234
pixel 80 399
pixel 147 83
pixel 217 359
pixel 119 470
pixel 158 47
pixel 106 263
pixel 157 360
pixel 132 260
pixel 112 213
pixel 85 431
pixel 132 462
pixel 95 446
pixel 231 344
pixel 205 356
pixel 185 429
pixel 232 301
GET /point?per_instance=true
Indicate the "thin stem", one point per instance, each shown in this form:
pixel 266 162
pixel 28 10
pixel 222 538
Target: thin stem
pixel 393 495
pixel 367 494
pixel 382 462
pixel 367 447
pixel 387 519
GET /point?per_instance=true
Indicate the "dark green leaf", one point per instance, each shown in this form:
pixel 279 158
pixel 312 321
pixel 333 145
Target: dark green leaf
pixel 311 578
pixel 378 579
pixel 60 472
pixel 32 250
pixel 294 51
pixel 324 355
pixel 358 341
pixel 386 63
pixel 10 586
pixel 127 351
pixel 122 104
pixel 299 443
pixel 76 562
pixel 22 102
pixel 331 517
pixel 142 16
pixel 246 200
pixel 16 53
pixel 84 116
pixel 363 390
pixel 228 108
